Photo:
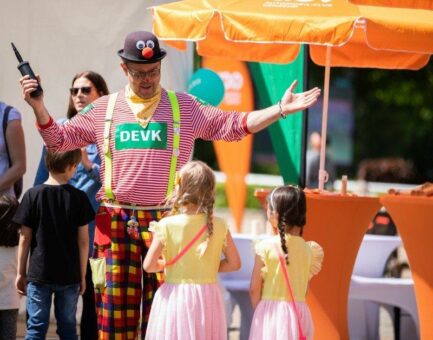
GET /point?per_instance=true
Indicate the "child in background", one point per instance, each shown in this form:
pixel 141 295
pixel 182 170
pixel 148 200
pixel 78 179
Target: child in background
pixel 54 219
pixel 9 299
pixel 189 304
pixel 274 316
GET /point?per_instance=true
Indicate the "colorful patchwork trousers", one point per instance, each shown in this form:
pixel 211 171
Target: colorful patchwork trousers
pixel 124 303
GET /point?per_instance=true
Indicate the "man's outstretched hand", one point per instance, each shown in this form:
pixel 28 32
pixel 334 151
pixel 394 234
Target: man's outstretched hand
pixel 293 102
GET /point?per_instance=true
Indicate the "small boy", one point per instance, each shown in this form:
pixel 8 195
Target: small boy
pixel 54 219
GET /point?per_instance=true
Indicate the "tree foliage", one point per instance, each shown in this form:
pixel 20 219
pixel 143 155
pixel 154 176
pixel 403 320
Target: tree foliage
pixel 394 116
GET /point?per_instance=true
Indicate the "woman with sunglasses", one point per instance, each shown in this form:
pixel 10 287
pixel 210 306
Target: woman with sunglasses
pixel 86 87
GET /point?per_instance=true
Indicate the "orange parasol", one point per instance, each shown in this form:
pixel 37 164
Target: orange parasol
pixel 419 4
pixel 271 31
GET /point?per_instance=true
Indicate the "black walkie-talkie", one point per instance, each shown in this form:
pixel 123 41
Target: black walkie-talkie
pixel 25 70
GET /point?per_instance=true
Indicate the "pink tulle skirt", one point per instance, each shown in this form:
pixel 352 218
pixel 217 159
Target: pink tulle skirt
pixel 277 320
pixel 187 311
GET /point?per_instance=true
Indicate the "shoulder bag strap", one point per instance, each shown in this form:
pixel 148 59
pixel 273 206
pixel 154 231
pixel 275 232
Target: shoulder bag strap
pixel 187 247
pixel 289 288
pixel 5 125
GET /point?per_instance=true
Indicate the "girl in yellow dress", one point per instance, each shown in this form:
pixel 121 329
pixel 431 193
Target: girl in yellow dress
pixel 189 304
pixel 274 315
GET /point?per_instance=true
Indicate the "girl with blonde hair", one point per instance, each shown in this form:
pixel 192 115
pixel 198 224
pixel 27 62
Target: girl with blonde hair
pixel 189 304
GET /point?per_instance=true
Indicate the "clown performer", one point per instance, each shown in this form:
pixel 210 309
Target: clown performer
pixel 143 133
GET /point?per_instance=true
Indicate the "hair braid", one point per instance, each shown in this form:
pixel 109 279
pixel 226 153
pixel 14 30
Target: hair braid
pixel 281 230
pixel 208 208
pixel 175 209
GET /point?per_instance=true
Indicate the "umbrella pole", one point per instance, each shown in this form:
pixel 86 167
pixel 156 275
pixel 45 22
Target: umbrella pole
pixel 302 179
pixel 323 175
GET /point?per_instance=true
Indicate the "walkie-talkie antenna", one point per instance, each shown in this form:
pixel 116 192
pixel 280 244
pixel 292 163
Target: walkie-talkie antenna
pixel 17 54
pixel 26 70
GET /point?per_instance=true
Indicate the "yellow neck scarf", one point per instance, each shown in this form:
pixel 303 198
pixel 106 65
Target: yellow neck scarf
pixel 143 109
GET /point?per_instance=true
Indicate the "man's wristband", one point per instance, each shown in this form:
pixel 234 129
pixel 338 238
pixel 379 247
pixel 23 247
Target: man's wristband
pixel 282 115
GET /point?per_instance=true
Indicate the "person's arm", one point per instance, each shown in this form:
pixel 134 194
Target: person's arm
pixel 231 261
pixel 23 254
pixel 42 172
pixel 290 103
pixel 153 262
pixel 77 133
pixel 256 282
pixel 83 247
pixel 37 103
pixel 17 153
pixel 211 123
pixel 92 168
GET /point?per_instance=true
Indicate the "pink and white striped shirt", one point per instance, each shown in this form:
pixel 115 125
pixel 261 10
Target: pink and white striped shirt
pixel 140 175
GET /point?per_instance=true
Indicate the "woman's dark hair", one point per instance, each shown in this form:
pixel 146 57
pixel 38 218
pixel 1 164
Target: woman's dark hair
pixel 97 81
pixel 57 162
pixel 8 230
pixel 290 204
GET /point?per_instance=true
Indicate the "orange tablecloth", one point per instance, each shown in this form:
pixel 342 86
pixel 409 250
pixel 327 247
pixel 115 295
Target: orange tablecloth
pixel 338 224
pixel 413 217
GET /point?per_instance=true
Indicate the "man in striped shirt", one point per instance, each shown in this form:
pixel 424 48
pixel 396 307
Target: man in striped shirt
pixel 143 134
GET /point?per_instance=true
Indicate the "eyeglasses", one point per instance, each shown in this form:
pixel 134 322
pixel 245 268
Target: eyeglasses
pixel 84 90
pixel 140 75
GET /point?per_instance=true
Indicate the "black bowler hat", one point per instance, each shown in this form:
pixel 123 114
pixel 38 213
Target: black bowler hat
pixel 141 47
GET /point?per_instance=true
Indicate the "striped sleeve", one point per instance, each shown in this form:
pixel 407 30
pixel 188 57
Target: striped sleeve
pixel 75 133
pixel 211 123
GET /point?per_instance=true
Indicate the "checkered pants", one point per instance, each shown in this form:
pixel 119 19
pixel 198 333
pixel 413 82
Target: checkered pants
pixel 127 286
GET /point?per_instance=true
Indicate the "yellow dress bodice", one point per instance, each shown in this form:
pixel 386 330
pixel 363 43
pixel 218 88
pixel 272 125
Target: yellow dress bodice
pixel 176 232
pixel 305 260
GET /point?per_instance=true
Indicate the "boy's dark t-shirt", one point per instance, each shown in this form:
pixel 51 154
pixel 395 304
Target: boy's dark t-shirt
pixel 54 213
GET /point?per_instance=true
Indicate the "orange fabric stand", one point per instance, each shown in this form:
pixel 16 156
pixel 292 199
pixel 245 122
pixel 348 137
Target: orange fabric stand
pixel 338 224
pixel 413 217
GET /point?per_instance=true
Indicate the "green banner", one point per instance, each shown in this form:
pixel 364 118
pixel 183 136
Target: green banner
pixel 134 136
pixel 271 81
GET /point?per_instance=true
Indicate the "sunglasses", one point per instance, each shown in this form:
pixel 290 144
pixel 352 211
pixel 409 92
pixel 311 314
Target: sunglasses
pixel 84 90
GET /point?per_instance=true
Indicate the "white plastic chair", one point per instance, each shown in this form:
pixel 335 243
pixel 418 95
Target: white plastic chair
pixel 368 288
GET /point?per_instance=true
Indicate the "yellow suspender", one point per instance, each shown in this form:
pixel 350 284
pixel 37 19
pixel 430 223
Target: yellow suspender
pixel 176 141
pixel 107 153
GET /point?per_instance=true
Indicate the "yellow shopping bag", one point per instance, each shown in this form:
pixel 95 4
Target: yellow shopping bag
pixel 98 266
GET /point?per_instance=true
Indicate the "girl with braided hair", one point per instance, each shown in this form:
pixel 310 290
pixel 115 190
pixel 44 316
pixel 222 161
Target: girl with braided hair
pixel 275 315
pixel 188 246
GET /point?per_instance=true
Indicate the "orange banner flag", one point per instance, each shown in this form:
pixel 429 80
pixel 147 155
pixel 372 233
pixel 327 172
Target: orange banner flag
pixel 234 157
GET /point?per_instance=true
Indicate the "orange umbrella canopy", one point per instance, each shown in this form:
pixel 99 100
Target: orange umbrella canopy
pixel 271 31
pixel 419 4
